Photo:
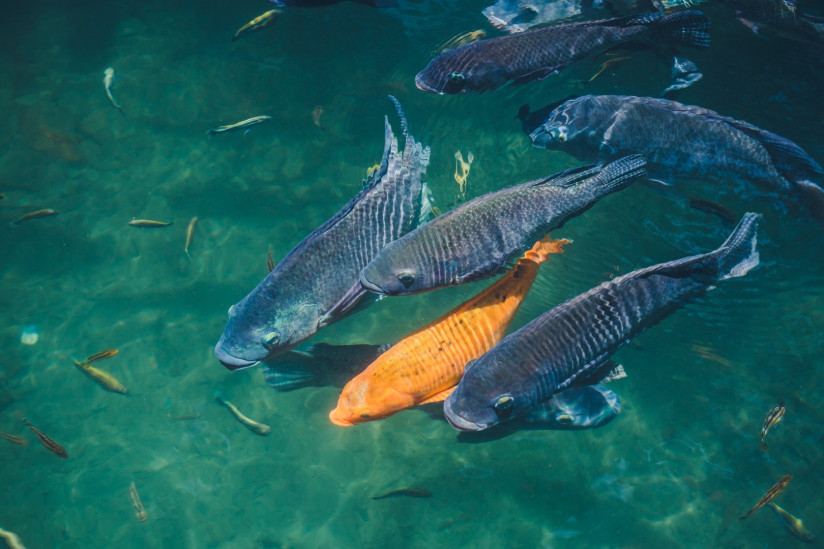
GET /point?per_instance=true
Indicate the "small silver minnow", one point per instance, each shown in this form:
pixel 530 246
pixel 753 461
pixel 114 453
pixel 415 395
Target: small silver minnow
pixel 108 83
pixel 242 125
pixel 254 426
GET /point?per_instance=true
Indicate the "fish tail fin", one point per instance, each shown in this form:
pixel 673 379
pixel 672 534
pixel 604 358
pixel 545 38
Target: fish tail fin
pixel 813 197
pixel 739 253
pixel 683 28
pixel 545 247
pixel 287 375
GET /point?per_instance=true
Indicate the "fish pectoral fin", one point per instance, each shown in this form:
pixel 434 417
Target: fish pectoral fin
pixel 440 396
pixel 488 76
pixel 597 371
pixel 352 301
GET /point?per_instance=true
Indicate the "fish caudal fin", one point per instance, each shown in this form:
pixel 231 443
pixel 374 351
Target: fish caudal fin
pixel 739 253
pixel 288 375
pixel 683 28
pixel 545 247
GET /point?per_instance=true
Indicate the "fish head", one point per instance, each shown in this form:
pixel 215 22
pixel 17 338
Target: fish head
pixel 438 78
pixel 263 324
pixel 568 123
pixel 367 398
pixel 480 401
pixel 395 272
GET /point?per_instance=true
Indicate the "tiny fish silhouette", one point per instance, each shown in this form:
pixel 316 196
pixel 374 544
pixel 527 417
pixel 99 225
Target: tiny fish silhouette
pixel 776 489
pixel 407 492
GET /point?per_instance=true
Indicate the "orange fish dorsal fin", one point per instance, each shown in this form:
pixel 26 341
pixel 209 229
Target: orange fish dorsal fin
pixel 544 248
pixel 439 397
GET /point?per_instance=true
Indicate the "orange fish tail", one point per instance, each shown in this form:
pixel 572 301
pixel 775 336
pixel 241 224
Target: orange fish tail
pixel 545 247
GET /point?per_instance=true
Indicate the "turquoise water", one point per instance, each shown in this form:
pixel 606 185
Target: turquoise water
pixel 675 469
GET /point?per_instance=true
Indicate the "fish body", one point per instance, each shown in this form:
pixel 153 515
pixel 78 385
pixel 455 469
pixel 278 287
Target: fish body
pixel 317 282
pixel 479 238
pixel 102 355
pixel 257 23
pixel 774 490
pixel 405 492
pixel 108 83
pixel 34 215
pixel 773 417
pixel 679 142
pixel 794 525
pixel 15 439
pixel 535 54
pixel 51 445
pixel 149 223
pixel 104 379
pixel 139 511
pixel 782 17
pixel 242 125
pixel 254 426
pixel 11 540
pixel 427 364
pixel 190 234
pixel 572 343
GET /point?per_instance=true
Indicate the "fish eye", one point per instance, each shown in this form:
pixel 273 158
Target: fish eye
pixel 561 133
pixel 270 339
pixel 564 419
pixel 365 416
pixel 504 402
pixel 406 278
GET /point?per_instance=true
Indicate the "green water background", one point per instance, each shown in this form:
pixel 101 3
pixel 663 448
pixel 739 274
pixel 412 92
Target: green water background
pixel 677 467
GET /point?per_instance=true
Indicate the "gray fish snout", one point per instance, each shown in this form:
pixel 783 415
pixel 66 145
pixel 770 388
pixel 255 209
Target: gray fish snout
pixel 419 82
pixel 232 362
pixel 457 421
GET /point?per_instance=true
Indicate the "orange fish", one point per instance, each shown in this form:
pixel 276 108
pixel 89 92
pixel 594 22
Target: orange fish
pixel 426 365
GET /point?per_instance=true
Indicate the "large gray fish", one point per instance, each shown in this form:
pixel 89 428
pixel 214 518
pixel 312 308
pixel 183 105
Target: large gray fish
pixel 317 282
pixel 479 238
pixel 679 141
pixel 784 17
pixel 572 343
pixel 535 54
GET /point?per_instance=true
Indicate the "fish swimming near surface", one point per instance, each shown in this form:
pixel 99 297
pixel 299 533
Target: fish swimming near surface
pixel 317 283
pixel 190 234
pixel 149 223
pixel 134 497
pixel 572 343
pixel 426 365
pixel 773 417
pixel 782 17
pixel 794 525
pixel 104 379
pixel 679 142
pixel 774 490
pixel 259 22
pixel 51 445
pixel 47 212
pixel 15 439
pixel 254 426
pixel 108 83
pixel 479 238
pixel 536 54
pixel 242 125
pixel 405 492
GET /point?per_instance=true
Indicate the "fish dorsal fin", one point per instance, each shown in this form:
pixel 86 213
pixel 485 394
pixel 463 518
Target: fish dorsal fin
pixel 544 248
pixel 568 177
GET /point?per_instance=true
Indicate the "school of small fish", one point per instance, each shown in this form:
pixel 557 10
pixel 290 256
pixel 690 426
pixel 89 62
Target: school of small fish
pixel 548 373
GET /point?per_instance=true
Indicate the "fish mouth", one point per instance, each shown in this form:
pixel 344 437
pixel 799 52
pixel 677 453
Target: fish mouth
pixel 458 422
pixel 371 287
pixel 424 87
pixel 232 362
pixel 336 418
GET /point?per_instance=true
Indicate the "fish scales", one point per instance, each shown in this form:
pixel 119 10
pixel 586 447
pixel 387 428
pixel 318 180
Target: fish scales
pixel 679 142
pixel 302 294
pixel 479 238
pixel 427 364
pixel 535 54
pixel 573 341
